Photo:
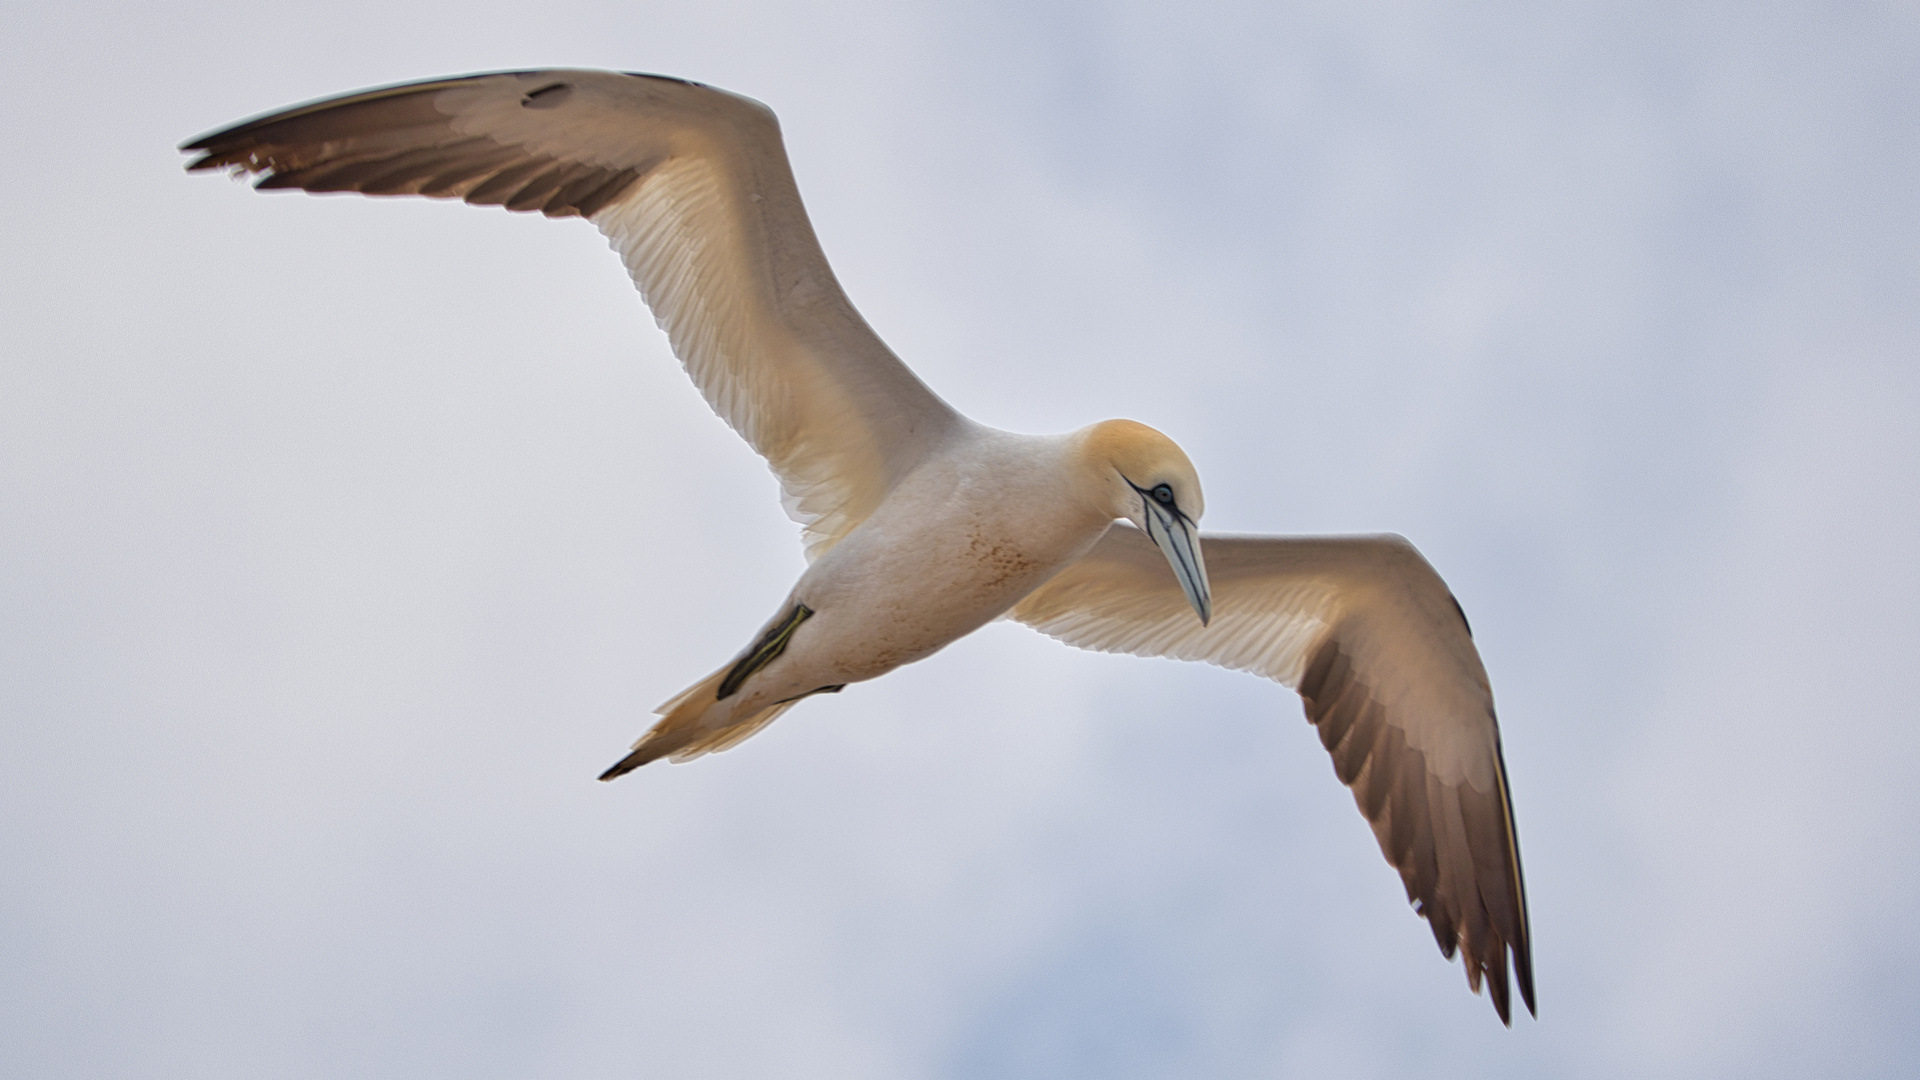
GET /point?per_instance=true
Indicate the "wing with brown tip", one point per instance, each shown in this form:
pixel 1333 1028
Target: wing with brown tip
pixel 692 186
pixel 1383 658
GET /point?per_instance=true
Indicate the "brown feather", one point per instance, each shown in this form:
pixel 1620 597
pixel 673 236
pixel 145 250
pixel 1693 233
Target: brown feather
pixel 592 202
pixel 535 192
pixel 566 201
pixel 1407 805
pixel 334 175
pixel 457 179
pixel 1470 901
pixel 407 173
pixel 501 186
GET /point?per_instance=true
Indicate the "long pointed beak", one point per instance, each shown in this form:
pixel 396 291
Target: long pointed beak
pixel 1180 543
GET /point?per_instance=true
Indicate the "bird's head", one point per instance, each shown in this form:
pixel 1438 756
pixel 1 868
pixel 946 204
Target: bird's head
pixel 1146 478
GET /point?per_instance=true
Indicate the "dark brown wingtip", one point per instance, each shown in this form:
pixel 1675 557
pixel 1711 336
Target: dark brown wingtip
pixel 1498 988
pixel 218 147
pixel 334 101
pixel 395 141
pixel 1521 942
pixel 201 143
pixel 1523 973
pixel 1389 783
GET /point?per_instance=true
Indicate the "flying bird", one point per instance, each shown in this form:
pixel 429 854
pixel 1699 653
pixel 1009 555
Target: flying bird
pixel 921 525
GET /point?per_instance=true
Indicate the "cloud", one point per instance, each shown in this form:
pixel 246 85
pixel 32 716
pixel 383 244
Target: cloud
pixel 334 565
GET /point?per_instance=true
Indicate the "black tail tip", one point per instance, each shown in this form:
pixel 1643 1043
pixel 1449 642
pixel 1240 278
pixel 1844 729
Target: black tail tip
pixel 621 768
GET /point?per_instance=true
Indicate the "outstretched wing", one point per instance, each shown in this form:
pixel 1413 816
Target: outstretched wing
pixel 692 186
pixel 1382 656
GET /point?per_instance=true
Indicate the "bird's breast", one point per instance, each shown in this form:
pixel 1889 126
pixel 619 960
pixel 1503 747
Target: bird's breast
pixel 926 571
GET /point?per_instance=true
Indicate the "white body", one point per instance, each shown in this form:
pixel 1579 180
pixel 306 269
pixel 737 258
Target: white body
pixel 981 523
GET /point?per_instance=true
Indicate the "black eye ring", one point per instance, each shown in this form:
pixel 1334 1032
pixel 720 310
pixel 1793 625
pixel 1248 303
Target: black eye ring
pixel 1162 494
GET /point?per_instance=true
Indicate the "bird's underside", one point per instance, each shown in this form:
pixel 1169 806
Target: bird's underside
pixel 692 187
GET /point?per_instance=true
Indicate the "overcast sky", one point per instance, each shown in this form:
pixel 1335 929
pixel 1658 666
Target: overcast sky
pixel 344 541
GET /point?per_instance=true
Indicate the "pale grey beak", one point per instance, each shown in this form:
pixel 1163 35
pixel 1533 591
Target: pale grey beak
pixel 1179 541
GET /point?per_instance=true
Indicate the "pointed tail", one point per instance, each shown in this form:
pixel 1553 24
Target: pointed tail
pixel 685 733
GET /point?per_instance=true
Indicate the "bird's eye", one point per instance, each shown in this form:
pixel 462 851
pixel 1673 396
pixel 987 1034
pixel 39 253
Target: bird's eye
pixel 1163 494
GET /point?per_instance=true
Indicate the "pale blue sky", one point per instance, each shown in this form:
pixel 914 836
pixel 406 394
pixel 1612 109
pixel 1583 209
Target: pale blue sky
pixel 342 542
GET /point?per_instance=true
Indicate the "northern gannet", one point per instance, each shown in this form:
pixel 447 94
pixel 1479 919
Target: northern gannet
pixel 921 525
